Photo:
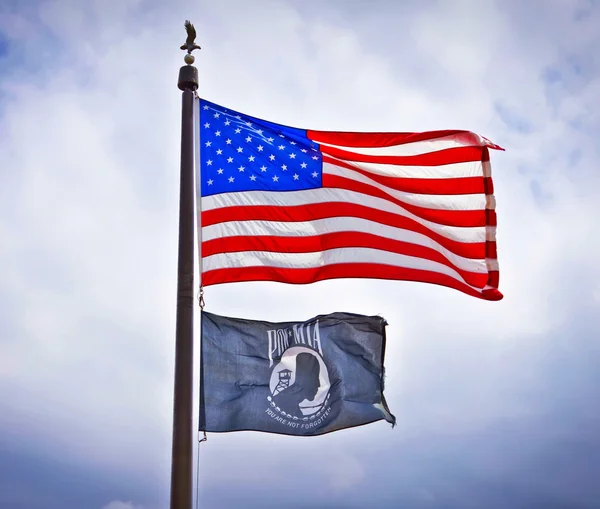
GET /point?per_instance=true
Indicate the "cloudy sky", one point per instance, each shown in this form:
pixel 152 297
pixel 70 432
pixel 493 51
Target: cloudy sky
pixel 497 402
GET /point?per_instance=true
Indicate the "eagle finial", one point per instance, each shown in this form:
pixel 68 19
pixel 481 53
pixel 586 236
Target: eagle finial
pixel 190 45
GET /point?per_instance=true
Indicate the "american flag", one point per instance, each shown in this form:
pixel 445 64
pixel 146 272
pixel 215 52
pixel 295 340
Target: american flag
pixel 278 203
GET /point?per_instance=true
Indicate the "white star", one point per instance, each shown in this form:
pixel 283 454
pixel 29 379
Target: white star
pixel 270 140
pixel 260 148
pixel 238 117
pixel 303 165
pixel 248 138
pixel 238 131
pixel 275 178
pixel 207 125
pixel 240 150
pixel 208 143
pixel 283 167
pixel 315 157
pixel 220 171
pixel 315 174
pixel 219 151
pixel 272 157
pixel 281 147
pixel 230 159
pixel 217 133
pixel 209 162
pixel 227 122
pixel 241 168
pixel 217 115
pixel 259 131
pixel 304 150
pixel 292 156
pixel 251 159
pixel 263 168
pixel 292 142
pixel 296 176
pixel 281 136
pixel 249 124
pixel 252 178
pixel 205 106
pixel 231 179
pixel 228 141
pixel 210 182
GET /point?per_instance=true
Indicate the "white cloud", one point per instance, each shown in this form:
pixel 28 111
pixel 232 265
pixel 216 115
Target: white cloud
pixel 344 472
pixel 118 504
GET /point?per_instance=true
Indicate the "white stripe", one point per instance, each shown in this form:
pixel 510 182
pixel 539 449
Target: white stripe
pixel 487 169
pixel 492 264
pixel 322 259
pixel 415 148
pixel 429 201
pixel 328 195
pixel 332 225
pixel 445 171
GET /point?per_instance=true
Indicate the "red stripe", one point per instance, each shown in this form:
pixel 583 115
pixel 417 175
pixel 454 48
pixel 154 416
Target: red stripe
pixel 311 212
pixel 437 158
pixel 494 279
pixel 348 139
pixel 333 241
pixel 485 154
pixel 346 270
pixel 491 293
pixel 449 186
pixel 490 217
pixel 488 185
pixel 462 218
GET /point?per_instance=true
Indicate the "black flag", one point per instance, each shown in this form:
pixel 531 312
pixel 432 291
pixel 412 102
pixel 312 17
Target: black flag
pixel 292 378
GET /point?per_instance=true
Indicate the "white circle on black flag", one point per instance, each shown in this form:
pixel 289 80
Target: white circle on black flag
pixel 300 382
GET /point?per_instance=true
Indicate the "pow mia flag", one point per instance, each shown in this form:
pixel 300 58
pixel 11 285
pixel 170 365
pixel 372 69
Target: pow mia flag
pixel 292 378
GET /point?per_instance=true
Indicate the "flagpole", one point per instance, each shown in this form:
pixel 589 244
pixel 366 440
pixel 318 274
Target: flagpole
pixel 182 448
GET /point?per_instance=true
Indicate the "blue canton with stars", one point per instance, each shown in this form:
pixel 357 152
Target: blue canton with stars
pixel 242 153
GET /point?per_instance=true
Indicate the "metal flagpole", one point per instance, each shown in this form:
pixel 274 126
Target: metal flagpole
pixel 182 452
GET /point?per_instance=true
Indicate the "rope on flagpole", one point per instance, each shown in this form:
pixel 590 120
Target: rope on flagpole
pixel 203 439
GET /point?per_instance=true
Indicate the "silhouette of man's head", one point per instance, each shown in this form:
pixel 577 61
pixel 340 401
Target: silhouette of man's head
pixel 307 374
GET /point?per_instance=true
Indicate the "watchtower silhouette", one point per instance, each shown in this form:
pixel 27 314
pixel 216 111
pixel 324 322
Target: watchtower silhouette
pixel 284 381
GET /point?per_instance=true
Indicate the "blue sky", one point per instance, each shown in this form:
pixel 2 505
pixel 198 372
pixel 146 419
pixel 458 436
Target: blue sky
pixel 496 402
